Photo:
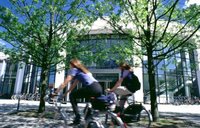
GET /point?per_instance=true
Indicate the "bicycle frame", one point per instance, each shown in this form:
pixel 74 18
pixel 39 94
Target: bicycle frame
pixel 90 120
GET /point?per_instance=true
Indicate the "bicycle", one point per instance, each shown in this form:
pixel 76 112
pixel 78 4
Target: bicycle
pixel 96 114
pixel 97 106
pixel 135 114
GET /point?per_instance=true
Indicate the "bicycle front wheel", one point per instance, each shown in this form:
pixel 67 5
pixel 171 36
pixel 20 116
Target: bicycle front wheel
pixel 114 122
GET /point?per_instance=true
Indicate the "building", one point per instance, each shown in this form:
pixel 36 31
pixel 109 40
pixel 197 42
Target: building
pixel 178 78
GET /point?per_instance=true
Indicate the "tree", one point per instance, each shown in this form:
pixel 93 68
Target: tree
pixel 40 31
pixel 160 28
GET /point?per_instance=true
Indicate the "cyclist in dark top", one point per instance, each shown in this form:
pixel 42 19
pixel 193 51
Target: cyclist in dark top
pixel 90 86
pixel 120 90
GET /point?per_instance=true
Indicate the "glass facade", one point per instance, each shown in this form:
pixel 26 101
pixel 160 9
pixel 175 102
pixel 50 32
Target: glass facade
pixel 8 81
pixel 174 77
pixel 107 80
pixel 52 74
pixel 100 53
pixel 31 80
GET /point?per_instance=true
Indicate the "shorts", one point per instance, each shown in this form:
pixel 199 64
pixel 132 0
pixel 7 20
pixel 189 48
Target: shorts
pixel 121 90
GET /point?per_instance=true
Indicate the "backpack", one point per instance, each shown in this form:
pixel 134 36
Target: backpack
pixel 131 82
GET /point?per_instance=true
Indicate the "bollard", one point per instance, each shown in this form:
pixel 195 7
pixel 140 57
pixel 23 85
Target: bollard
pixel 18 103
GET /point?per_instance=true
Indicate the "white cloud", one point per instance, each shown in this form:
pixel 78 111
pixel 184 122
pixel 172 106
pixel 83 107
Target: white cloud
pixel 189 2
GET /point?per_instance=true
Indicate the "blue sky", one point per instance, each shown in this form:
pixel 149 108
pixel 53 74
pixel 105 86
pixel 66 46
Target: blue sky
pixel 4 3
pixel 182 3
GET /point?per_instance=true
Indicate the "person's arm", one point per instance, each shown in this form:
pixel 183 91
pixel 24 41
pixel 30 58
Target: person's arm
pixel 64 84
pixel 118 83
pixel 72 86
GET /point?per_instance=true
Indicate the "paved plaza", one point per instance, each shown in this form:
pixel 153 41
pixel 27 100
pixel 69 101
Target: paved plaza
pixel 186 112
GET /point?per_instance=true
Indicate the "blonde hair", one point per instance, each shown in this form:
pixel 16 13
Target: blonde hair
pixel 77 64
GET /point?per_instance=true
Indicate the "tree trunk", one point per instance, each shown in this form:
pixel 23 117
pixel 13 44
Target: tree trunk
pixel 153 96
pixel 43 90
pixel 152 85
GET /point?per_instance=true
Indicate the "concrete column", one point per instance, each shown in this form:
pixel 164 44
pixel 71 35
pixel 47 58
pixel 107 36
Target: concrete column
pixel 59 78
pixel 60 75
pixel 2 73
pixel 186 81
pixel 198 81
pixel 19 78
pixel 29 80
pixel 139 95
pixel 197 59
pixel 3 68
pixel 187 90
pixel 60 71
pixel 3 57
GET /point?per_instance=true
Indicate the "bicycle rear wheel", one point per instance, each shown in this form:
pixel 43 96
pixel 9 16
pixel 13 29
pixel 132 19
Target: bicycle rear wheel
pixel 144 118
pixel 136 115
